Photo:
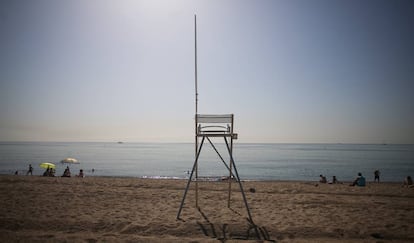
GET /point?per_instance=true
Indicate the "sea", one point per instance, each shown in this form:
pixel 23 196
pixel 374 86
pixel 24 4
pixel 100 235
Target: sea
pixel 253 161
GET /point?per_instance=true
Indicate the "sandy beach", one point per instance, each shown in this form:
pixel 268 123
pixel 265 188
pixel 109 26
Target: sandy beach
pixel 98 209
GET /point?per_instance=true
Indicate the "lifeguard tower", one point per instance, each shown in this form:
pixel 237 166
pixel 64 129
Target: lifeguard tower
pixel 208 126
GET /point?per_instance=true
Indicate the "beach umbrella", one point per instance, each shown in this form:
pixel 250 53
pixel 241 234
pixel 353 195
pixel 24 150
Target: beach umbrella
pixel 69 161
pixel 46 165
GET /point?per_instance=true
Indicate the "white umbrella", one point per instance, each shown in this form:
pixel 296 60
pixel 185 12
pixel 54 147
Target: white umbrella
pixel 69 161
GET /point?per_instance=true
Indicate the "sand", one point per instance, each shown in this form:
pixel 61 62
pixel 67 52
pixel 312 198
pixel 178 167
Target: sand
pixel 98 209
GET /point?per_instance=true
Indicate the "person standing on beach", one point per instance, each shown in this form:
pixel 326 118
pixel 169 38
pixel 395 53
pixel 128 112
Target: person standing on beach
pixel 376 176
pixel 30 171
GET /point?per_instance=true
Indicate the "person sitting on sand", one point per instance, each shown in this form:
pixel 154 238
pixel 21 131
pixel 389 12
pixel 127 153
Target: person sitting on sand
pixel 52 172
pixel 66 173
pixel 408 181
pixel 322 179
pixel 359 181
pixel 47 172
pixel 80 173
pixel 334 180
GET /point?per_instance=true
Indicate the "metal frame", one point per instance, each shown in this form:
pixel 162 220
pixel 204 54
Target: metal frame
pixel 231 167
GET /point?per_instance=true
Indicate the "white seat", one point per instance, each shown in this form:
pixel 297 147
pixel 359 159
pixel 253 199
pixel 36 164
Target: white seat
pixel 214 125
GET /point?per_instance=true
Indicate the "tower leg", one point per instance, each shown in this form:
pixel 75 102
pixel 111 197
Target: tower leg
pixel 231 172
pixel 238 180
pixel 189 179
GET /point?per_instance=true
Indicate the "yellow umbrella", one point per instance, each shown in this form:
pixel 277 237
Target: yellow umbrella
pixel 46 165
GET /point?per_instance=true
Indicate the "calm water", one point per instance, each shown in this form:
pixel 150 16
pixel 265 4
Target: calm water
pixel 253 161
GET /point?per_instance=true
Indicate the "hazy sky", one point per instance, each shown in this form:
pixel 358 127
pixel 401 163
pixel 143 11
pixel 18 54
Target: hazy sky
pixel 291 71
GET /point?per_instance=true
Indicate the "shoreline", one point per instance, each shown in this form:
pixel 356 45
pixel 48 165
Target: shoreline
pixel 96 209
pixel 212 180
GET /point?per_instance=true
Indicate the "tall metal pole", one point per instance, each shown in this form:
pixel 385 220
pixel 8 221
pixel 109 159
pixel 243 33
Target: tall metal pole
pixel 195 63
pixel 196 108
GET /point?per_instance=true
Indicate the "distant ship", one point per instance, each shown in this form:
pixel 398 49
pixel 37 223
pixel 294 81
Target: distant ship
pixel 120 142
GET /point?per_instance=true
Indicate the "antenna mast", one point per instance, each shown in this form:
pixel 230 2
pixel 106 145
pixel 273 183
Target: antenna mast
pixel 195 63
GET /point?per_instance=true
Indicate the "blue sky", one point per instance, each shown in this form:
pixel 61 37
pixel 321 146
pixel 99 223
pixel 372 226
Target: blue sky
pixel 319 71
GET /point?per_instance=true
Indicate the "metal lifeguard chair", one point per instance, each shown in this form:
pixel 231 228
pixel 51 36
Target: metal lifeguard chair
pixel 213 126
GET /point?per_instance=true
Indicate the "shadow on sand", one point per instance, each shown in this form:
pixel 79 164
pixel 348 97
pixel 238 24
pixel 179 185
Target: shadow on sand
pixel 244 230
